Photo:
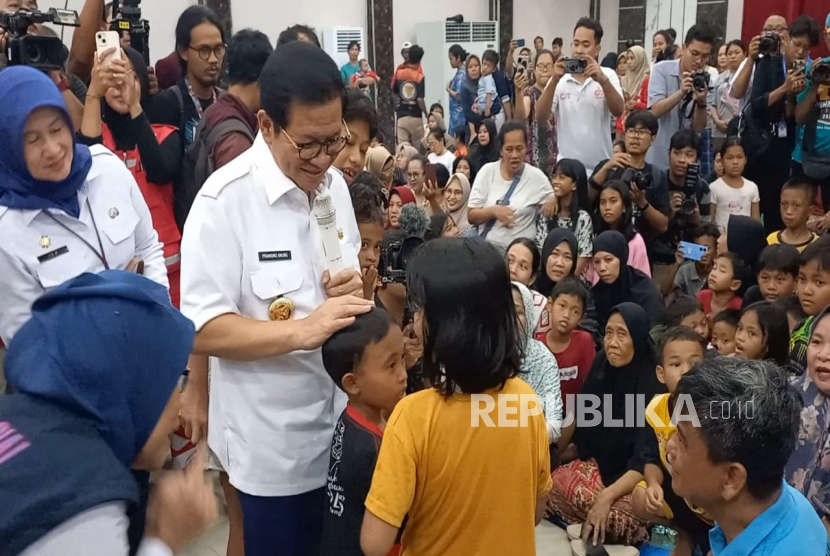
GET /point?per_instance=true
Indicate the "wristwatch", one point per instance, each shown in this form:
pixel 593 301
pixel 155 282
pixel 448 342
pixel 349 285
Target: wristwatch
pixel 646 207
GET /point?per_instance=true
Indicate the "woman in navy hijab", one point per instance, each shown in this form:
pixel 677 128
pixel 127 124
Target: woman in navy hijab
pixel 68 209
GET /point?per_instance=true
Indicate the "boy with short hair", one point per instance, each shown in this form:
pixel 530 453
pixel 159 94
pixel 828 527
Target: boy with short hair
pixel 797 198
pixel 367 200
pixel 653 498
pixel 777 271
pixel 574 349
pixel 365 360
pixel 693 275
pixel 813 290
pixel 686 310
pixel 725 281
pixel 724 327
pixel 488 102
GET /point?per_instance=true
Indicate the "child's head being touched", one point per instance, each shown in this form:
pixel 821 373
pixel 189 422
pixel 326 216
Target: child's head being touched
pixel 724 327
pixel 682 349
pixel 777 271
pixel 365 360
pixel 687 311
pixel 567 305
pixel 727 274
pixel 763 333
pixel 813 283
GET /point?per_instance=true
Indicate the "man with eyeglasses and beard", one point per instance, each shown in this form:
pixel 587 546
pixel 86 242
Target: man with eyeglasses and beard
pixel 255 284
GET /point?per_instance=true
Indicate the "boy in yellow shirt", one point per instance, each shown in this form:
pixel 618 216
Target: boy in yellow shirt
pixel 653 498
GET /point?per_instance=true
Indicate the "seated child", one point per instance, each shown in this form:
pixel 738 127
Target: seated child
pixel 813 290
pixel 724 327
pixel 686 310
pixel 725 281
pixel 777 272
pixel 795 314
pixel 365 360
pixel 653 498
pixel 574 349
pixel 797 198
pixel 763 334
pixel 692 275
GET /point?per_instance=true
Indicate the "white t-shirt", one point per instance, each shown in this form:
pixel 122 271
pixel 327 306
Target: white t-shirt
pixel 583 120
pixel 532 190
pixel 730 200
pixel 446 159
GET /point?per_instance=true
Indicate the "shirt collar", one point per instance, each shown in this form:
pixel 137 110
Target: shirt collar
pixel 30 214
pixel 275 181
pixel 673 68
pixel 758 532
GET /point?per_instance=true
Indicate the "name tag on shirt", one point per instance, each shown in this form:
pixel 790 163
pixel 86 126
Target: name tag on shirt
pixel 782 129
pixel 266 256
pixel 53 254
pixel 569 373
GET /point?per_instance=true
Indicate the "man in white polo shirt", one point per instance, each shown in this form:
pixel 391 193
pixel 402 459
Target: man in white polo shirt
pixel 584 103
pixel 254 283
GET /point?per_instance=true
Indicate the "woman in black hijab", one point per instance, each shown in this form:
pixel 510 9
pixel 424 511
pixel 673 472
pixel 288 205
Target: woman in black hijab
pixel 619 282
pixel 594 489
pixel 485 148
pixel 469 93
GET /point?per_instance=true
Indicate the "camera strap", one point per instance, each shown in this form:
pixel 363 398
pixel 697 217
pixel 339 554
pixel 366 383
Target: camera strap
pixel 503 202
pixel 195 100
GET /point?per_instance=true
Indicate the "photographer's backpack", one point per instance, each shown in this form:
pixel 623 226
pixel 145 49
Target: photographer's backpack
pixel 756 138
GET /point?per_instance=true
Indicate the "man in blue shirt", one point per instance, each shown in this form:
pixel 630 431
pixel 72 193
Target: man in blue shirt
pixel 347 71
pixel 737 424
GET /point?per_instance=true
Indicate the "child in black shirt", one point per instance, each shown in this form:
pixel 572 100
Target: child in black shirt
pixel 365 360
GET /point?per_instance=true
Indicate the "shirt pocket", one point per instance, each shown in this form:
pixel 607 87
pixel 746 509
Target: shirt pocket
pixel 60 269
pixel 119 224
pixel 270 283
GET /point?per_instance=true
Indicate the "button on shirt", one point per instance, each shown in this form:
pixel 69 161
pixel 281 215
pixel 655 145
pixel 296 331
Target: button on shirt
pixel 790 527
pixel 38 254
pixel 272 420
pixel 584 119
pixel 664 82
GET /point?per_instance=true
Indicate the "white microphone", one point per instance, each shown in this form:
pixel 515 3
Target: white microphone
pixel 327 223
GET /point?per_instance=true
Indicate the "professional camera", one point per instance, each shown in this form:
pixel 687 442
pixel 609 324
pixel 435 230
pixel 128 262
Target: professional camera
pixel 126 17
pixel 575 65
pixel 821 73
pixel 689 190
pixel 639 178
pixel 769 44
pixel 395 257
pixel 43 53
pixel 700 80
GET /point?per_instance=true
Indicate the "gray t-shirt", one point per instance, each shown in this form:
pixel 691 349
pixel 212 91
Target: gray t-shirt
pixel 664 82
pixel 687 279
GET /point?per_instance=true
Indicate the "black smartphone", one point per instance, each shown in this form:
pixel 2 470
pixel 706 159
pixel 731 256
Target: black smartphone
pixel 575 65
pixel 431 173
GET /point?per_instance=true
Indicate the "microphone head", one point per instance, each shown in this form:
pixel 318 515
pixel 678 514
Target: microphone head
pixel 323 206
pixel 413 220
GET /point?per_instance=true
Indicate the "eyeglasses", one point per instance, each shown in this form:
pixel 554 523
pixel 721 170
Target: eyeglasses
pixel 413 175
pixel 206 51
pixel 639 133
pixel 311 150
pixel 544 67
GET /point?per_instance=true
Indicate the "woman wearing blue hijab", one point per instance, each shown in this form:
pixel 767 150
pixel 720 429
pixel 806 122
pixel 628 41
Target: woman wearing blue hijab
pixel 70 209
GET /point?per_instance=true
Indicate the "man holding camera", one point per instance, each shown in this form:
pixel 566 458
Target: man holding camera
pixel 649 189
pixel 689 202
pixel 812 150
pixel 586 98
pixel 678 92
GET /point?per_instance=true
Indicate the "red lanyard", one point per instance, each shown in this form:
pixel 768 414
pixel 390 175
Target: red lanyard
pixel 195 100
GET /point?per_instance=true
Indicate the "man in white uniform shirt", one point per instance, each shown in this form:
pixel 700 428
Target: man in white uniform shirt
pixel 584 103
pixel 255 284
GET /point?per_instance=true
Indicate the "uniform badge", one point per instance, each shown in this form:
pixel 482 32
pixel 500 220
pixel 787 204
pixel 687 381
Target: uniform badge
pixel 113 212
pixel 281 308
pixel 45 242
pixel 339 233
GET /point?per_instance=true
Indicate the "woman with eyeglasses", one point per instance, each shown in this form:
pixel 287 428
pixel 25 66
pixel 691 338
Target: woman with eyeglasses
pixel 535 108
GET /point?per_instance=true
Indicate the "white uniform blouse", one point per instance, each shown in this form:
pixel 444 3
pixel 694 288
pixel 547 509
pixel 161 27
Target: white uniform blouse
pixel 37 253
pixel 250 238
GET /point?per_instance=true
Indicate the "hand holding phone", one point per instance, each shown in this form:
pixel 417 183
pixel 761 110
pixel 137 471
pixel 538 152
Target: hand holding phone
pixel 693 251
pixel 431 173
pixel 107 41
pixel 520 43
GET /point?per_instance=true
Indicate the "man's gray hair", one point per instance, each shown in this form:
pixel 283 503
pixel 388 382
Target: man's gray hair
pixel 748 414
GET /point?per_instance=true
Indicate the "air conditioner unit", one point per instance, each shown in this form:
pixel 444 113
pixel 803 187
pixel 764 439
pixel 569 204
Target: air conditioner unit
pixel 436 39
pixel 336 42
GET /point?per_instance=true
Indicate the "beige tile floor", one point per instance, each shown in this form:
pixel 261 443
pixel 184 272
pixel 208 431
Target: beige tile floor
pixel 550 541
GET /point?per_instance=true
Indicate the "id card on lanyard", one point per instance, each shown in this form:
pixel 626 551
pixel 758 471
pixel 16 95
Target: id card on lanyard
pixel 196 103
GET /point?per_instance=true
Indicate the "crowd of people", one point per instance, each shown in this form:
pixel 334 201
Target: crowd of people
pixel 641 238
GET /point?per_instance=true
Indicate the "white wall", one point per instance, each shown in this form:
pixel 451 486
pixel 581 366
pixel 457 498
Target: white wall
pixel 609 17
pixel 408 13
pixel 734 19
pixel 549 19
pixel 274 16
pixel 162 15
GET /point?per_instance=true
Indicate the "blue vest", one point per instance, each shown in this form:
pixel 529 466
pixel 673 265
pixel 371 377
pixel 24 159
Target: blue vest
pixel 53 466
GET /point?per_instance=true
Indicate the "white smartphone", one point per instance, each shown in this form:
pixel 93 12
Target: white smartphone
pixel 106 40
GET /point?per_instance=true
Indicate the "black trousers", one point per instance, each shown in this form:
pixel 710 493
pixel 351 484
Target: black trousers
pixel 823 185
pixel 769 171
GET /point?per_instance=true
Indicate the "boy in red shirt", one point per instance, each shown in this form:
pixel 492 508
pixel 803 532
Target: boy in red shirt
pixel 574 349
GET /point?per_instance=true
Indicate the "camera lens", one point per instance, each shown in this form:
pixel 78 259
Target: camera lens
pixel 35 53
pixel 688 206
